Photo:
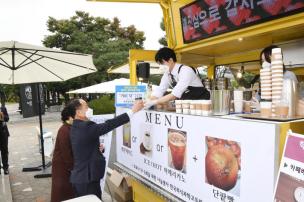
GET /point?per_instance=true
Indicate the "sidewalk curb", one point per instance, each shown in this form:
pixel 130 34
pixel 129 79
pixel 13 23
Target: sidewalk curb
pixel 5 188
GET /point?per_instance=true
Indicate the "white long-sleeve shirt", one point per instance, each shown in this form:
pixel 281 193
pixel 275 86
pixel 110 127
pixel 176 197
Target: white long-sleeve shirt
pixel 186 77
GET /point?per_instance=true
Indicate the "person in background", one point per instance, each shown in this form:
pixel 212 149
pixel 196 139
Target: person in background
pixel 62 163
pixel 4 134
pixel 89 163
pixel 265 59
pixel 184 81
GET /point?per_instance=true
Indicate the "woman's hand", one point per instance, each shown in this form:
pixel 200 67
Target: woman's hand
pixel 101 148
pixel 149 103
pixel 255 104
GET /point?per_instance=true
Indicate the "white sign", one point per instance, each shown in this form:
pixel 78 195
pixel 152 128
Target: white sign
pixel 290 183
pixel 106 140
pixel 125 95
pixel 201 158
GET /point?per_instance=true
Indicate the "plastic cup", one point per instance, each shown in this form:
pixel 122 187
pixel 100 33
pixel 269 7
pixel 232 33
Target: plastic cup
pixel 177 144
pixel 238 106
pixel 186 104
pixel 247 107
pixel 178 104
pixel 179 111
pixel 238 95
pixel 266 109
pixel 281 110
pixel 198 112
pixel 192 105
pixel 186 111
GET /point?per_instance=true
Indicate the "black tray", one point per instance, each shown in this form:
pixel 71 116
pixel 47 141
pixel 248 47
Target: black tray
pixel 259 117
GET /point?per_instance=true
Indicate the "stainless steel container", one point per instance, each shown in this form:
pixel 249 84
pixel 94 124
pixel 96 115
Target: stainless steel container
pixel 207 84
pixel 220 102
pixel 221 84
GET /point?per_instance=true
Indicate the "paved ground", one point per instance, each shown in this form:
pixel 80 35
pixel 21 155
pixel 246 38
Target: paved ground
pixel 24 152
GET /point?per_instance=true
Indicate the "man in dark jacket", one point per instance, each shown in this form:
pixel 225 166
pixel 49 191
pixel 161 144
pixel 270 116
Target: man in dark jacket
pixel 4 134
pixel 89 163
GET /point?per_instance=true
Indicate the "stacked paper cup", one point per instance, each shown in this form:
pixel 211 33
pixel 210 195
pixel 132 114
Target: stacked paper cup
pixel 276 76
pixel 266 90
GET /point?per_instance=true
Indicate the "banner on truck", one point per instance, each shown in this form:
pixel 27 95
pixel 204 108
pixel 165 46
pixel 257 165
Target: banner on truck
pixel 201 158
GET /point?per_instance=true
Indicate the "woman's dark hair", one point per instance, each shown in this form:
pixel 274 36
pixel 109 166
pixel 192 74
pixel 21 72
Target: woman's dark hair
pixel 165 54
pixel 267 53
pixel 2 98
pixel 73 105
pixel 67 112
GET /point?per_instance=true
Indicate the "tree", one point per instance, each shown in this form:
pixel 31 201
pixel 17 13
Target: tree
pixel 106 40
pixel 163 40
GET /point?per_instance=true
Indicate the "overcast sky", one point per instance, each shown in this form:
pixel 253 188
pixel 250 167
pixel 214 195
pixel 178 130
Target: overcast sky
pixel 25 20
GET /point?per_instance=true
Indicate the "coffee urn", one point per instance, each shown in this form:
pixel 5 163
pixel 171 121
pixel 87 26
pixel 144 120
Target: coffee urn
pixel 220 97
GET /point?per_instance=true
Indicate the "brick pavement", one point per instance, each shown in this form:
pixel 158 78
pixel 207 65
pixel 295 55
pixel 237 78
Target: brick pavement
pixel 23 152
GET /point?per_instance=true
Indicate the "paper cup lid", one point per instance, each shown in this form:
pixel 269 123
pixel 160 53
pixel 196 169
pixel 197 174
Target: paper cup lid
pixel 277 72
pixel 265 74
pixel 277 79
pixel 186 101
pixel 276 62
pixel 205 101
pixel 276 50
pixel 277 56
pixel 277 67
pixel 265 70
pixel 266 86
pixel 266 89
pixel 277 83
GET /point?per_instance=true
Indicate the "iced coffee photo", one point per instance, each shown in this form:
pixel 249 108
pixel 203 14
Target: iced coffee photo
pixel 146 145
pixel 127 135
pixel 177 142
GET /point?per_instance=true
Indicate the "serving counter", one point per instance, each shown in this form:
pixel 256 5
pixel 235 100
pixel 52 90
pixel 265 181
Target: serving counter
pixel 197 158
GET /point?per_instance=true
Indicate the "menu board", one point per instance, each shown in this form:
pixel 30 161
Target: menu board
pixel 201 158
pixel 206 18
pixel 290 183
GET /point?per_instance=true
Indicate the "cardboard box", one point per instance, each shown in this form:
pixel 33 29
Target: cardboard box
pixel 120 187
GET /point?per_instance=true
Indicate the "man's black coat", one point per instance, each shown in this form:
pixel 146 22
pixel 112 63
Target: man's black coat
pixel 89 163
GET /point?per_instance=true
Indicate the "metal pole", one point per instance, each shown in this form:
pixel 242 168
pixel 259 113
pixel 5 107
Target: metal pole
pixel 40 122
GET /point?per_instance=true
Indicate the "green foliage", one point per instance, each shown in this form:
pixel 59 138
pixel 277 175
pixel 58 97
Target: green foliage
pixel 234 84
pixel 103 105
pixel 246 80
pixel 11 92
pixel 163 40
pixel 105 39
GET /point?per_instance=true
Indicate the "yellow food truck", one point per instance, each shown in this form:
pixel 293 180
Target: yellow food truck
pixel 175 164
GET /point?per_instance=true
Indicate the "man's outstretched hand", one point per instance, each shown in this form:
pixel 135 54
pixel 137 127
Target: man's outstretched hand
pixel 138 105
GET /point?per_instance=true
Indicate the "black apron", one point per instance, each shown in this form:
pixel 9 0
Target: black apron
pixel 191 93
